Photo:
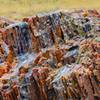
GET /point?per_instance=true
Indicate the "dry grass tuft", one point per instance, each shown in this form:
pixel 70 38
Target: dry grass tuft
pixel 22 8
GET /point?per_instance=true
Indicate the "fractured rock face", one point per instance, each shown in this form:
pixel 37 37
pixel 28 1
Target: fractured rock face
pixel 54 56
